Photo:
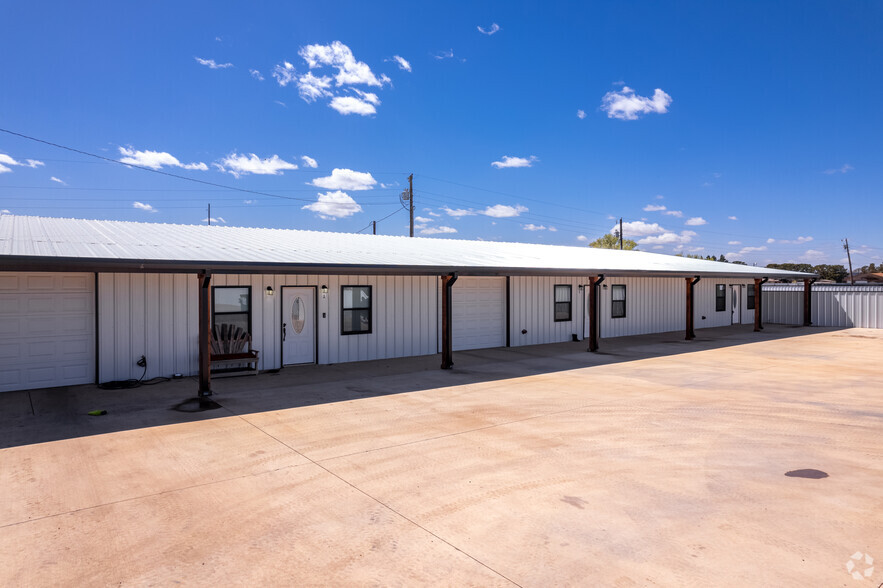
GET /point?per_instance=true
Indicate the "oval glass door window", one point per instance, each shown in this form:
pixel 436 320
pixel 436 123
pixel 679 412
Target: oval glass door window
pixel 298 315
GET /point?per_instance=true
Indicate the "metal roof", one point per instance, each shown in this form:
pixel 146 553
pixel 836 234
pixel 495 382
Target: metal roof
pixel 55 244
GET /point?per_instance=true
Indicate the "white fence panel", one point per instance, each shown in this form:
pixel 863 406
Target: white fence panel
pixel 834 305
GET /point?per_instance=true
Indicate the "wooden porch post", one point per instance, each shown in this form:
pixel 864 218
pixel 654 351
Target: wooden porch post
pixel 594 282
pixel 205 347
pixel 690 332
pixel 447 334
pixel 807 302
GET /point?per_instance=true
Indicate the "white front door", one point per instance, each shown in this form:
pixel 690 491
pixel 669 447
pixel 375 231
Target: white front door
pixel 298 325
pixel 737 305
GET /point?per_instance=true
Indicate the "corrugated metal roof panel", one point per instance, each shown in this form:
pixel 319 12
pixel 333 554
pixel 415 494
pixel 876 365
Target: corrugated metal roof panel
pixel 47 238
pixel 824 288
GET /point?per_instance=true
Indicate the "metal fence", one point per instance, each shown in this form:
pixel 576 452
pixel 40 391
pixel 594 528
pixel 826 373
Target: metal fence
pixel 833 305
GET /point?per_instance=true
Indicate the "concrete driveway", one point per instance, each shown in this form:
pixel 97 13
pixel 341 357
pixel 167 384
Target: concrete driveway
pixel 656 462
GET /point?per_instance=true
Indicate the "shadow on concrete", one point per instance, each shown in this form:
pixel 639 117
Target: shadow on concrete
pixel 52 414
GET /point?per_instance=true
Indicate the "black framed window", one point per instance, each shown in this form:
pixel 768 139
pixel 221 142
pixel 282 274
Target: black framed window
pixel 355 309
pixel 750 298
pixel 231 305
pixel 563 302
pixel 720 297
pixel 617 301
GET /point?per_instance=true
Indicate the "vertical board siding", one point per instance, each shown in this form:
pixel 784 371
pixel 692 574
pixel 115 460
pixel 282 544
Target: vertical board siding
pixel 532 308
pixel 403 321
pixel 153 315
pixel 832 305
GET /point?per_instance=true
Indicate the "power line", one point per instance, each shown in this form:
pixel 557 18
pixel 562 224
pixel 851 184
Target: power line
pixel 374 223
pixel 155 171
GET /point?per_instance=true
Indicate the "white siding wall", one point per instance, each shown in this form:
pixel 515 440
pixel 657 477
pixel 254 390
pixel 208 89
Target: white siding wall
pixel 154 315
pixel 403 320
pixel 658 305
pixel 532 309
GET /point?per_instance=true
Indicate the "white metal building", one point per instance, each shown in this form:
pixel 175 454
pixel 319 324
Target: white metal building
pixel 82 300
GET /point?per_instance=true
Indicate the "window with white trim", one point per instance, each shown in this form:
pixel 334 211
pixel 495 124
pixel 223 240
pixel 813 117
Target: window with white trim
pixel 617 301
pixel 563 302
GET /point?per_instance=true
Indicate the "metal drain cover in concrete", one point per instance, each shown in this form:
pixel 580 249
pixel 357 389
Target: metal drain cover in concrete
pixel 809 473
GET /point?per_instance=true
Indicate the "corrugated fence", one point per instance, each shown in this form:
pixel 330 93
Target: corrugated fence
pixel 833 305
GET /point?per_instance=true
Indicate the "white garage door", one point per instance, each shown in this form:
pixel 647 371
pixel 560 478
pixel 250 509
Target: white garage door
pixel 479 313
pixel 47 330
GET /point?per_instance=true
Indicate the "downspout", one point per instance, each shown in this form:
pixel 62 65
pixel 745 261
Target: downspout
pixel 690 331
pixel 447 314
pixel 758 303
pixel 594 282
pixel 807 301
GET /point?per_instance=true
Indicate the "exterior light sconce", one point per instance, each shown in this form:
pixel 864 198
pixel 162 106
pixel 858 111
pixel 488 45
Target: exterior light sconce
pixel 604 286
pixel 324 291
pixel 270 291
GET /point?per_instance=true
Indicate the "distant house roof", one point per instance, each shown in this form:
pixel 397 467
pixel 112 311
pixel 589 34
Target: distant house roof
pixel 56 244
pixel 874 277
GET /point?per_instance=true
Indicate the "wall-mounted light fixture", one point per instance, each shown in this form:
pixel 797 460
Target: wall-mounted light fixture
pixel 604 286
pixel 270 291
pixel 324 289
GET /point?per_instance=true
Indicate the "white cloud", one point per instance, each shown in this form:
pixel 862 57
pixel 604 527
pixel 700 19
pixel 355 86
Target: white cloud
pixel 349 70
pixel 249 201
pixel 638 229
pixel 284 73
pixel 309 161
pixel 733 217
pixel 404 64
pixel 797 241
pixel 210 63
pixel 256 75
pixel 311 88
pixel 218 220
pixel 814 256
pixel 438 230
pixel 582 239
pixel 6 159
pixel 654 207
pixel 143 206
pixel 244 164
pixel 449 54
pixel 422 219
pixel 674 213
pixel 659 197
pixel 334 205
pixel 514 162
pixel 626 105
pixel 696 221
pixel 839 170
pixel 494 28
pixel 5 211
pixel 431 213
pixel 668 238
pixel 352 105
pixel 744 250
pixel 345 179
pixel 280 103
pixel 62 182
pixel 580 114
pixel 504 211
pixel 458 212
pixel 533 227
pixel 156 159
pixel 734 242
pixel 553 229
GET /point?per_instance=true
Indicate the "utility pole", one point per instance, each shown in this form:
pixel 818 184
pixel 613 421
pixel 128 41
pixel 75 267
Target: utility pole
pixel 620 233
pixel 411 198
pixel 209 219
pixel 375 226
pixel 849 257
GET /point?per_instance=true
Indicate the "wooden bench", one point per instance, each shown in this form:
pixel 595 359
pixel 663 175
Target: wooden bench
pixel 232 354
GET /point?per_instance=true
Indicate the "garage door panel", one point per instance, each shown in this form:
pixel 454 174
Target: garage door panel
pixel 49 335
pixel 479 313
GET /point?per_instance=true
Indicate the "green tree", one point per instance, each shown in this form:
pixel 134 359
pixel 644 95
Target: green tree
pixel 792 267
pixel 837 273
pixel 610 241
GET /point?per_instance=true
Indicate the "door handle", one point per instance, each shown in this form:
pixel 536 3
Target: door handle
pixel 283 331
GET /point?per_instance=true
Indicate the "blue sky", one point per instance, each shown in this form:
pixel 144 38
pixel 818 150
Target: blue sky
pixel 756 125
